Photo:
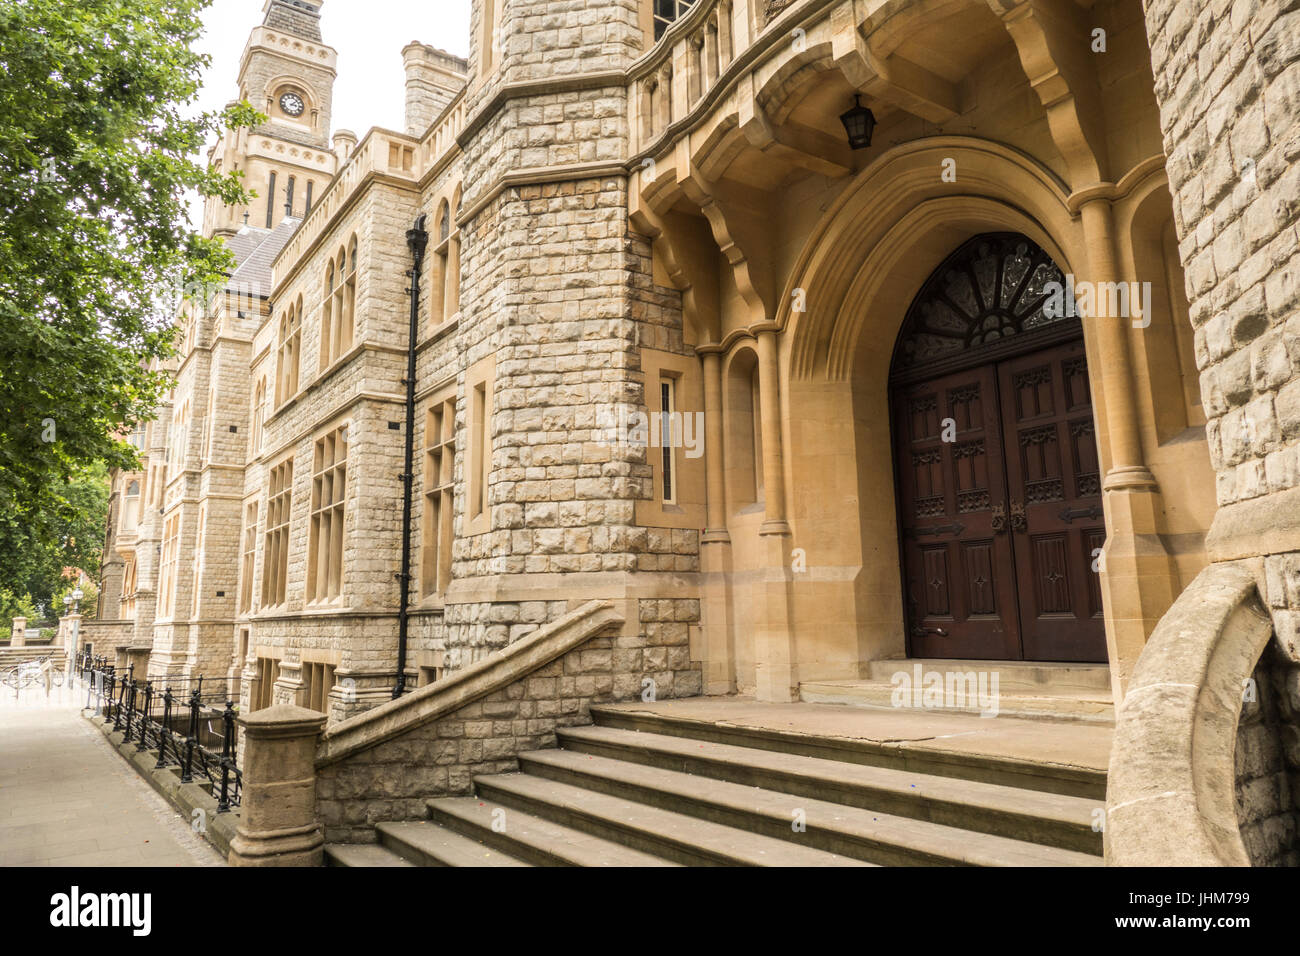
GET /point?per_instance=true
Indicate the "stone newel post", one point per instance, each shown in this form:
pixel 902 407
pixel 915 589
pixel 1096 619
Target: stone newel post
pixel 278 825
pixel 19 638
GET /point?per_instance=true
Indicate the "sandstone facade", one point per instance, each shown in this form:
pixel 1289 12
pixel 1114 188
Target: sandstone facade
pixel 629 214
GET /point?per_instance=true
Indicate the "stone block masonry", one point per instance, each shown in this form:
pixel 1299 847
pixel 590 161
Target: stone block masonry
pixel 1227 77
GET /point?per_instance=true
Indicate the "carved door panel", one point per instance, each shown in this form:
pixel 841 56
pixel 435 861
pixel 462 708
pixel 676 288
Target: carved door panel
pixel 1054 503
pixel 958 565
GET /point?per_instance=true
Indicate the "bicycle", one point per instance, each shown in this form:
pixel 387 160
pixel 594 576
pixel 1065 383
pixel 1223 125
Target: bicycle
pixel 27 673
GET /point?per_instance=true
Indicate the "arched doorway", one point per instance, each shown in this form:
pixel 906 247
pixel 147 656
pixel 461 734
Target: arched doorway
pixel 996 462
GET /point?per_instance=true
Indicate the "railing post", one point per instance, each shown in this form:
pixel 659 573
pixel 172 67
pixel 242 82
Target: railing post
pixel 191 739
pixel 227 755
pixel 166 729
pixel 144 717
pixel 130 709
pixel 278 825
pixel 121 697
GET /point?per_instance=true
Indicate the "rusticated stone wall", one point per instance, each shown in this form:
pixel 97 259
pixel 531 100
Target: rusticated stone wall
pixel 1227 77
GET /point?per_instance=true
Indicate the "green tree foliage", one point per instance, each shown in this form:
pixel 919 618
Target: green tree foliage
pixel 73 537
pixel 99 142
pixel 12 606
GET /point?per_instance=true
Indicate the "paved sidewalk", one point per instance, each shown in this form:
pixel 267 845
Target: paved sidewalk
pixel 66 799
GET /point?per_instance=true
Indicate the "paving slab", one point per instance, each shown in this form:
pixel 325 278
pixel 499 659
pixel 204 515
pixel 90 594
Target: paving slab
pixel 1078 745
pixel 66 799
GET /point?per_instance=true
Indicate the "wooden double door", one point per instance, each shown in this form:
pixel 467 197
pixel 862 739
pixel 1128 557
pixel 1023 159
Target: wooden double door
pixel 1000 510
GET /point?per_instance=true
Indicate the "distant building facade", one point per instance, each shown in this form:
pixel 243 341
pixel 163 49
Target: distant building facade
pixel 942 396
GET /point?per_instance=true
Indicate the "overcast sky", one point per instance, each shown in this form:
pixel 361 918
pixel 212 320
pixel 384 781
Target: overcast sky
pixel 369 36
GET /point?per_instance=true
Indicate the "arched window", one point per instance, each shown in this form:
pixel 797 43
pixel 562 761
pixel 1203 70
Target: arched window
pixel 993 287
pixel 338 325
pixel 453 260
pixel 744 433
pixel 286 385
pixel 649 106
pixel 444 295
pixel 131 507
pixel 666 12
pixel 259 414
pixel 489 37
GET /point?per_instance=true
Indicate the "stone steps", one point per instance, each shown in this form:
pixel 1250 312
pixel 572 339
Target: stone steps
pixel 1005 770
pixel 1014 676
pixel 677 837
pixel 1051 819
pixel 31 652
pixel 362 854
pixel 532 838
pixel 430 845
pixel 644 788
pixel 868 835
pixel 1093 706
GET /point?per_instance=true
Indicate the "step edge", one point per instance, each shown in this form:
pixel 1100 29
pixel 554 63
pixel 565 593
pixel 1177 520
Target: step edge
pixel 722 856
pixel 941 832
pixel 556 859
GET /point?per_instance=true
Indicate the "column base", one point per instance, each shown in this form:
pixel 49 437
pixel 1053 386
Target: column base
pixel 298 846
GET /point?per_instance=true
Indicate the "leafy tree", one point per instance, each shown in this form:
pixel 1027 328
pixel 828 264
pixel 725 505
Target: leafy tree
pixel 72 537
pixel 98 147
pixel 12 606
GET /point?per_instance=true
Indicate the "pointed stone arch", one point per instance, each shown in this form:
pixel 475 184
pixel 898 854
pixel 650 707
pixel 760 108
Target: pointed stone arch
pixel 896 212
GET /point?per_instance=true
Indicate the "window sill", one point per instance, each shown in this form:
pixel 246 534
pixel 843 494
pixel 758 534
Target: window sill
pixel 439 332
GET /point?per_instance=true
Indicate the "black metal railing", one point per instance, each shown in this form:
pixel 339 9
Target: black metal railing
pixel 188 721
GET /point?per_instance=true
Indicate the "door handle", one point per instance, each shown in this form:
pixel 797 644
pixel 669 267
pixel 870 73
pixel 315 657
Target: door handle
pixel 1018 520
pixel 921 630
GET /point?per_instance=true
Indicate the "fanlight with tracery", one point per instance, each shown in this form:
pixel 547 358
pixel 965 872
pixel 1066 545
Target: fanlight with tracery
pixel 992 287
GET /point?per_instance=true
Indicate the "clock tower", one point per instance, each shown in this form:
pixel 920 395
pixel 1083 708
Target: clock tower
pixel 287 72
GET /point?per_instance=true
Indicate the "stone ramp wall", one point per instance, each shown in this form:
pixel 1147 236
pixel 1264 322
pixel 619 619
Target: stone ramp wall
pixel 384 764
pixel 1205 759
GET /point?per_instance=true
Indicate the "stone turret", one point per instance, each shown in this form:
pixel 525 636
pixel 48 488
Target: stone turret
pixel 433 79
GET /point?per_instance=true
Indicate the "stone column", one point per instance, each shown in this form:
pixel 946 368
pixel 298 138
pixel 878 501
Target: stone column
pixel 770 410
pixel 1127 465
pixel 19 634
pixel 278 825
pixel 70 626
pixel 1139 579
pixel 715 543
pixel 716 507
pixel 775 676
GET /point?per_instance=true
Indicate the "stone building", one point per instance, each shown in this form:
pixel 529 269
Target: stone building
pixel 997 380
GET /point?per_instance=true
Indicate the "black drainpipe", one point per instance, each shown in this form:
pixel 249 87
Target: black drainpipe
pixel 416 240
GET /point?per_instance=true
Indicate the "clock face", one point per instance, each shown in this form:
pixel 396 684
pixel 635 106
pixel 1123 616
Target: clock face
pixel 292 104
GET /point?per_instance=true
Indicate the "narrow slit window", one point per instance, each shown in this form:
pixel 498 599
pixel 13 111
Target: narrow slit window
pixel 667 416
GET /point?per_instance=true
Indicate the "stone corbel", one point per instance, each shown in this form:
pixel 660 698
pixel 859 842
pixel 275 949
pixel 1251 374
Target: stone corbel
pixel 793 144
pixel 1054 44
pixel 887 76
pixel 913 88
pixel 743 233
pixel 693 275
